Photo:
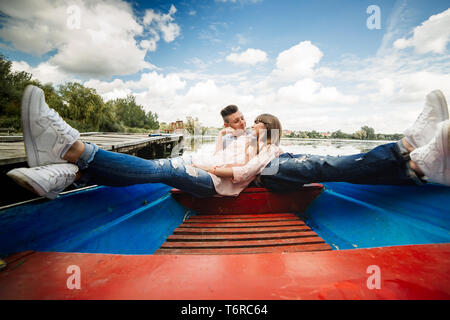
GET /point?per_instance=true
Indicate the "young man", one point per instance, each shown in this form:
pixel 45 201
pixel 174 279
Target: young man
pixel 234 127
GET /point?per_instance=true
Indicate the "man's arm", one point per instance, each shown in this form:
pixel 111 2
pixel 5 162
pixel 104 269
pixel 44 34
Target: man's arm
pixel 219 141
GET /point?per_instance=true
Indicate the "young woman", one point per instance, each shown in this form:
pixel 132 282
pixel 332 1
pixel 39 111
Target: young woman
pixel 57 158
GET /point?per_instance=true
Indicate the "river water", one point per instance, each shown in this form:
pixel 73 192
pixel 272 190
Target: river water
pixel 323 147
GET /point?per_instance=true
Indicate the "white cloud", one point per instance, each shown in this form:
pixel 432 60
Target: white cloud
pixel 298 61
pixel 163 22
pixel 101 43
pixel 308 91
pixel 432 35
pixel 250 56
pixel 197 62
pixel 150 85
pixel 45 72
pixel 109 90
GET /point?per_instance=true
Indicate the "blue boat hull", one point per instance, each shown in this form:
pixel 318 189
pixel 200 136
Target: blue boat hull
pixel 138 219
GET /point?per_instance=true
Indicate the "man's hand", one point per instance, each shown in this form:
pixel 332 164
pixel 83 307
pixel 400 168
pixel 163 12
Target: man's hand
pixel 233 132
pixel 226 130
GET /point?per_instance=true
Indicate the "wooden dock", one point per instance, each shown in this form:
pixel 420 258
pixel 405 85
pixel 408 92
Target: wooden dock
pixel 12 148
pixel 12 155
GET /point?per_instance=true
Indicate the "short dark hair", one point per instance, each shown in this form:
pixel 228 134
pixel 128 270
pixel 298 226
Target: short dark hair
pixel 230 109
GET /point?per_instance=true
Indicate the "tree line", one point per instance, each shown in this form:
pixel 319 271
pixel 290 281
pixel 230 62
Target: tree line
pixel 365 133
pixel 82 107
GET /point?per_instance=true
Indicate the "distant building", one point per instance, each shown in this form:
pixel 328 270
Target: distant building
pixel 325 134
pixel 176 127
pixel 287 132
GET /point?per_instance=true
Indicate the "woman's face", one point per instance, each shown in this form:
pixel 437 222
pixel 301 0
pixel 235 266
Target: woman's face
pixel 257 127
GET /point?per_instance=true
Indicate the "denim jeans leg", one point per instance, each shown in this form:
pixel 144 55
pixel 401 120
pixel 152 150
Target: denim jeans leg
pixel 107 168
pixel 87 156
pixel 386 164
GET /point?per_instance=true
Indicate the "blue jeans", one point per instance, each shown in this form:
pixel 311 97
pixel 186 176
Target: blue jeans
pixel 108 168
pixel 386 164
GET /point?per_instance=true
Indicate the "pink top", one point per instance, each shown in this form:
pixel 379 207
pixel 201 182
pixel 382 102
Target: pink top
pixel 242 174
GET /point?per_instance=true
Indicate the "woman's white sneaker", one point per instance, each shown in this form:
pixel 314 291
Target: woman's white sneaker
pixel 47 137
pixel 47 181
pixel 424 128
pixel 434 158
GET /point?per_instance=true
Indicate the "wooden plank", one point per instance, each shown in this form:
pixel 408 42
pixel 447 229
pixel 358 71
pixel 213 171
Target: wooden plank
pixel 243 216
pixel 14 152
pixel 181 230
pixel 235 237
pixel 243 225
pixel 241 221
pixel 249 243
pixel 248 250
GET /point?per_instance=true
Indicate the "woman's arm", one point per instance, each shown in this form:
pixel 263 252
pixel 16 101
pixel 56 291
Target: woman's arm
pixel 221 172
pixel 227 170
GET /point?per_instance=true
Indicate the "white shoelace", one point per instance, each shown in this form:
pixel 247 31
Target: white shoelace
pixel 58 123
pixel 56 173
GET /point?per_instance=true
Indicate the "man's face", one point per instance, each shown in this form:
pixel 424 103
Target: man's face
pixel 236 121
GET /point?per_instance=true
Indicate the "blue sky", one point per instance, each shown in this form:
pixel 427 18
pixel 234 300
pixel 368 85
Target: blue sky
pixel 315 64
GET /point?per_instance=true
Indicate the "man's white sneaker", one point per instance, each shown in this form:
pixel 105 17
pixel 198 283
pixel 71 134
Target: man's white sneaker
pixel 47 137
pixel 47 181
pixel 434 158
pixel 424 128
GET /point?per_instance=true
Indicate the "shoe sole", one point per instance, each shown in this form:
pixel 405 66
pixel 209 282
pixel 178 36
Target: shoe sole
pixel 446 145
pixel 30 145
pixel 446 150
pixel 442 103
pixel 26 182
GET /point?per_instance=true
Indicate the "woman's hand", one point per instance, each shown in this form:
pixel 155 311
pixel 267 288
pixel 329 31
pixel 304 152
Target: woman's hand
pixel 222 172
pixel 206 168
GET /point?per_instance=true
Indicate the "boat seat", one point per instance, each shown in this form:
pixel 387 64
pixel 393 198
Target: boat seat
pixel 253 222
pixel 248 233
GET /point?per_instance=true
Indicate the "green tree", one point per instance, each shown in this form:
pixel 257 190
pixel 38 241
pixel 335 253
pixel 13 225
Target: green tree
pixel 192 126
pixel 82 105
pixel 108 119
pixel 314 134
pixel 360 135
pixel 339 135
pixel 151 120
pixel 130 113
pixel 370 133
pixel 12 85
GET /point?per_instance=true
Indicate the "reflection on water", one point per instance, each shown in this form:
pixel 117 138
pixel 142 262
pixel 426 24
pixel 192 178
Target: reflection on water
pixel 328 147
pixel 297 146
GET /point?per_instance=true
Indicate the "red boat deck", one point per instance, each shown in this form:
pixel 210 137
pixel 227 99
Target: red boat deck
pixel 407 272
pixel 242 233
